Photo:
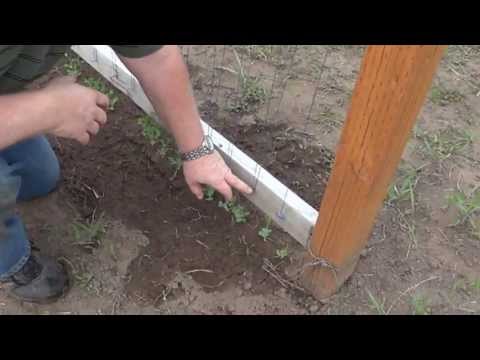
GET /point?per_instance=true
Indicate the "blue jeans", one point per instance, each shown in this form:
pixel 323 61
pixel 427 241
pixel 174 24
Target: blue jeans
pixel 28 170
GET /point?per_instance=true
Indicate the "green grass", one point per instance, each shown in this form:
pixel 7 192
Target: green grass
pixel 89 235
pixel 376 305
pixel 404 188
pixel 475 286
pixel 101 86
pixel 86 280
pixel 252 94
pixel 238 212
pixel 445 143
pixel 470 287
pixel 251 91
pixel 272 54
pixel 468 206
pixel 420 305
pixel 260 52
pixel 441 96
pixel 73 65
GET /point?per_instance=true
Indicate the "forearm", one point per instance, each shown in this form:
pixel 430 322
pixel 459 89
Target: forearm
pixel 164 78
pixel 22 116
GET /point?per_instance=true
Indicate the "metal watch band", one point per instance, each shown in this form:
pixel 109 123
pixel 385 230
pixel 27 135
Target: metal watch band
pixel 205 149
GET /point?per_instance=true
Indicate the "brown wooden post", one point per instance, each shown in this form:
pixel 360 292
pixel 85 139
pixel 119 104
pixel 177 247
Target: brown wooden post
pixel 390 91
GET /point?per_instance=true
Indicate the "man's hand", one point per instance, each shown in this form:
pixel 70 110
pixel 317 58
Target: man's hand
pixel 211 170
pixel 164 77
pixel 77 112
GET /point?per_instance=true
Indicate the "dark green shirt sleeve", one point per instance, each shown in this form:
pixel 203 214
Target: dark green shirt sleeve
pixel 135 51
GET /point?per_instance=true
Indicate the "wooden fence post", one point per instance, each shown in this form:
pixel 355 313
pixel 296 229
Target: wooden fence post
pixel 390 91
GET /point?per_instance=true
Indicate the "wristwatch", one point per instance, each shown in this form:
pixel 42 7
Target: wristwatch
pixel 205 149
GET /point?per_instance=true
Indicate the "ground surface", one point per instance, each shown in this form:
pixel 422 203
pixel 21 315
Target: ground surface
pixel 137 242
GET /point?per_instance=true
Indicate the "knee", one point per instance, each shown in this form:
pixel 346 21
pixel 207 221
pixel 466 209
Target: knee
pixel 35 162
pixel 9 188
pixel 40 180
pixel 50 177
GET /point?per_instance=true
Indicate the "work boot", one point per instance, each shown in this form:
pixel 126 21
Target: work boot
pixel 42 280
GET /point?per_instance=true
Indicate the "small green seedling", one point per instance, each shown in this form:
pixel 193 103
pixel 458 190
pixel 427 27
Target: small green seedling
pixel 159 136
pixel 281 253
pixel 72 66
pixel 101 86
pixel 266 230
pixel 155 134
pixel 404 188
pixel 265 233
pixel 376 305
pixel 238 212
pixel 240 215
pixel 224 205
pixel 252 94
pixel 475 285
pixel 468 207
pixel 420 305
pixel 209 193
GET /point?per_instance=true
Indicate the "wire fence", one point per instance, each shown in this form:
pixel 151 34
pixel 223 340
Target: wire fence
pixel 307 87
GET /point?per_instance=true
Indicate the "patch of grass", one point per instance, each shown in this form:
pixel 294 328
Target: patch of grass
pixel 260 52
pixel 475 286
pixel 379 307
pixel 411 230
pixel 443 97
pixel 266 230
pixel 468 287
pixel 445 143
pixel 404 188
pixel 72 66
pixel 252 94
pixel 468 206
pixel 420 305
pixel 87 281
pixel 251 91
pixel 327 118
pixel 89 235
pixel 238 212
pixel 273 54
pixel 101 86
